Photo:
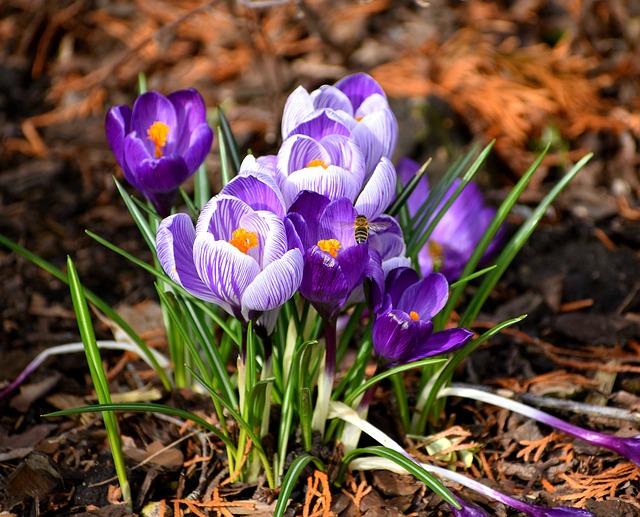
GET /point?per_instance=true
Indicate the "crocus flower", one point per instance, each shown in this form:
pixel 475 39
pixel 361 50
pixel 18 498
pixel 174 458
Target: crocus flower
pixel 360 102
pixel 160 143
pixel 244 259
pixel 402 329
pixel 322 157
pixel 457 234
pixel 334 264
pixel 628 447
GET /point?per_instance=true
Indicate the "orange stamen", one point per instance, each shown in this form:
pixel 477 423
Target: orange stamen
pixel 358 119
pixel 414 316
pixel 244 240
pixel 331 246
pixel 317 163
pixel 157 133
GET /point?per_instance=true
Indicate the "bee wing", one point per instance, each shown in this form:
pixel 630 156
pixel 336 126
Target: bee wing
pixel 379 227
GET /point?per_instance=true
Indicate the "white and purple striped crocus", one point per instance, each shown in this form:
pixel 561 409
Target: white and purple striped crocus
pixel 242 255
pixel 160 143
pixel 457 234
pixel 402 329
pixel 360 103
pixel 321 156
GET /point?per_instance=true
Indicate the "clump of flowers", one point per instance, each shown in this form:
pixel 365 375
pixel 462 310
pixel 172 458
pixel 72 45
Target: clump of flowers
pixel 291 244
pixel 304 233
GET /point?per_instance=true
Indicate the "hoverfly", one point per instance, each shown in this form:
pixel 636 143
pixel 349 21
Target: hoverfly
pixel 362 227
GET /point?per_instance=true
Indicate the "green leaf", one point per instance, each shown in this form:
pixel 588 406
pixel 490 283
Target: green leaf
pixel 141 222
pixel 515 244
pixel 418 244
pixel 410 466
pixel 388 373
pixel 291 478
pixel 98 377
pixel 229 141
pixel 148 408
pixel 401 200
pixel 501 214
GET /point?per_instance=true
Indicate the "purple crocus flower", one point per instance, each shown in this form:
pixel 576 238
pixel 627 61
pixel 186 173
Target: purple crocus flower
pixel 334 264
pixel 160 143
pixel 457 234
pixel 241 255
pixel 321 156
pixel 402 329
pixel 361 104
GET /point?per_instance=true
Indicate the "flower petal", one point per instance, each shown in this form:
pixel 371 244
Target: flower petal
pixel 377 136
pixel 398 281
pixel 224 269
pixel 332 98
pixel 295 154
pixel 298 107
pixel 439 343
pixel 275 284
pixel 390 241
pixel 117 123
pixel 198 146
pixel 323 282
pixel 162 174
pixel 221 216
pixel 308 206
pixel 174 246
pixel 379 191
pixel 272 236
pixel 393 334
pixel 345 153
pixel 322 123
pixel 353 262
pixel 336 221
pixel 153 107
pixel 190 114
pixel 332 182
pixel 259 192
pixel 372 104
pixel 426 297
pixel 358 87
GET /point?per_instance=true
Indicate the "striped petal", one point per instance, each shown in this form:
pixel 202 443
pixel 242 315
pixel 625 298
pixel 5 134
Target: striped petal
pixel 297 108
pixel 174 246
pixel 275 284
pixel 223 268
pixel 379 191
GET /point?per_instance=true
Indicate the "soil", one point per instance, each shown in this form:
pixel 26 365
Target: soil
pixel 457 73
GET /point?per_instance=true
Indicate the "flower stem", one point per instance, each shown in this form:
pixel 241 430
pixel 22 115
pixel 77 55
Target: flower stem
pixel 325 382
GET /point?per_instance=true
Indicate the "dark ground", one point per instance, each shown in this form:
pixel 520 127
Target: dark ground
pixel 456 72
